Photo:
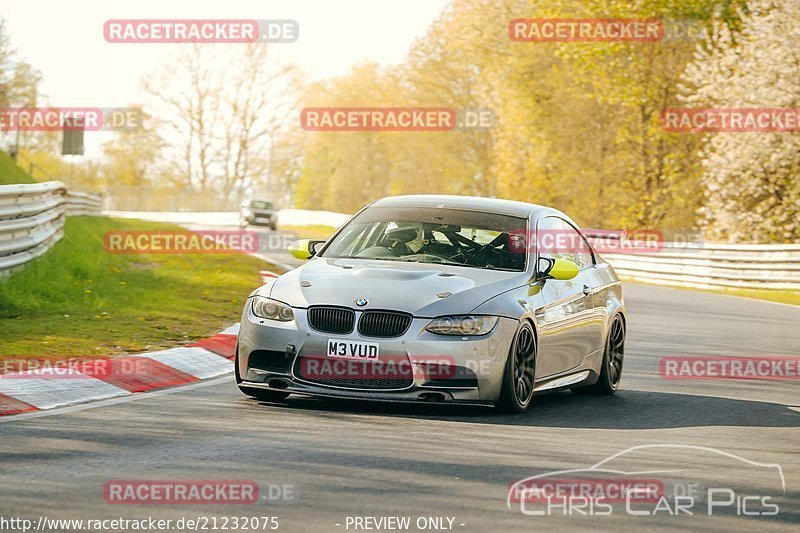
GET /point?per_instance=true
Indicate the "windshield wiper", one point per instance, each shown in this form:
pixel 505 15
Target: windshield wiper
pixel 505 269
pixel 450 263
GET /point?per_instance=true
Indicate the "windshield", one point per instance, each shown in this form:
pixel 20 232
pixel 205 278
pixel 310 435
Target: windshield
pixel 432 235
pixel 259 204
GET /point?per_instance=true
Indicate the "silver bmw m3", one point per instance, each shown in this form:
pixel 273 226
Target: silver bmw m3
pixel 448 299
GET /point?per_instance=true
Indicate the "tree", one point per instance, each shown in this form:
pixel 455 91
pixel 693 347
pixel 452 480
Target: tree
pixel 132 159
pixel 186 98
pixel 578 124
pixel 220 116
pixel 256 108
pixel 342 171
pixel 19 87
pixel 751 179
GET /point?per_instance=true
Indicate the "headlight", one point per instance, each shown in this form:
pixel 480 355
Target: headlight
pixel 462 325
pixel 272 309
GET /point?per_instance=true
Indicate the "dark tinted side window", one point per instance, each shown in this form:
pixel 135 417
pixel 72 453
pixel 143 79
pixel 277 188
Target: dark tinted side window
pixel 557 239
pixel 581 250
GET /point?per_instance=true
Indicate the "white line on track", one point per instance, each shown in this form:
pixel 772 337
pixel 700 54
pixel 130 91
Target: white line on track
pixel 114 401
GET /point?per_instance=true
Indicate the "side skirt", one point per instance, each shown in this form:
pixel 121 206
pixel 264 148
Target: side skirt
pixel 566 381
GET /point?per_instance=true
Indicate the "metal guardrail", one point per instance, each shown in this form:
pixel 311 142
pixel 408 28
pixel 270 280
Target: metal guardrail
pixel 704 265
pixel 81 203
pixel 32 219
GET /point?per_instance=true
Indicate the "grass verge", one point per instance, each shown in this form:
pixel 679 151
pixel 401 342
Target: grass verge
pixel 79 300
pixel 11 173
pixel 781 296
pixel 786 297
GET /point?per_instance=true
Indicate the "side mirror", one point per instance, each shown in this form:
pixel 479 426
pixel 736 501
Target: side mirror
pixel 562 269
pixel 315 246
pixel 304 248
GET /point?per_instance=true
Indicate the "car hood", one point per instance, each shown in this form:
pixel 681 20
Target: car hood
pixel 417 288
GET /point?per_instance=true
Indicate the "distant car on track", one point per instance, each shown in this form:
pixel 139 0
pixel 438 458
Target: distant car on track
pixel 448 299
pixel 258 213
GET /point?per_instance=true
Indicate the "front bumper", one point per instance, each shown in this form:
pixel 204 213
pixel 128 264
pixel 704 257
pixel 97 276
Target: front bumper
pixel 271 354
pixel 260 220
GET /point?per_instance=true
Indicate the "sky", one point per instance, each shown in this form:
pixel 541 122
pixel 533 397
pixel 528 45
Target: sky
pixel 64 39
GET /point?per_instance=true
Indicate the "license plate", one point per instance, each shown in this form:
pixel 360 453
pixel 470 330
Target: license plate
pixel 352 350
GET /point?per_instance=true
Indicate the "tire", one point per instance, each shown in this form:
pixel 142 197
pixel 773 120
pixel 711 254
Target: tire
pixel 273 227
pixel 259 394
pixel 519 377
pixel 613 357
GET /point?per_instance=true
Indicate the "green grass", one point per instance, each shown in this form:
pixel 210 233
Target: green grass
pixel 11 173
pixel 786 297
pixel 79 300
pixel 782 296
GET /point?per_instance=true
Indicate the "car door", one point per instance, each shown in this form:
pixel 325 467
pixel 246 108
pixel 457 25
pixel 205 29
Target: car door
pixel 567 320
pixel 593 289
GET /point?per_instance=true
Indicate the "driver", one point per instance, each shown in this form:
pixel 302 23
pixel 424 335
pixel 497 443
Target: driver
pixel 416 244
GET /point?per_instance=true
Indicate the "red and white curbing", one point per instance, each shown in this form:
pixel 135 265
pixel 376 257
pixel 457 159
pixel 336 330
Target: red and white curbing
pixel 35 390
pixel 267 276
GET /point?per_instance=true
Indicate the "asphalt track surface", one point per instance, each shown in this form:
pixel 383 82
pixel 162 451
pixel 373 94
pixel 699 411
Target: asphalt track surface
pixel 360 459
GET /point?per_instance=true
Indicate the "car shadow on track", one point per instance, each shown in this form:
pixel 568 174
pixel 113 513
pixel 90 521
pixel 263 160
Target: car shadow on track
pixel 625 410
